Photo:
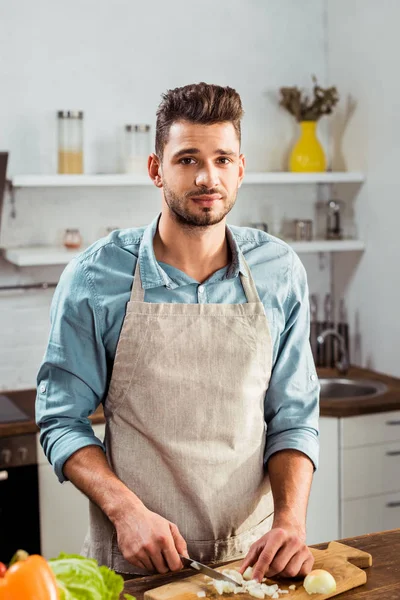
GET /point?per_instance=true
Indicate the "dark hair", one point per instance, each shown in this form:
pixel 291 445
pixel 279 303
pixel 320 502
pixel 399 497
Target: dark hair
pixel 201 103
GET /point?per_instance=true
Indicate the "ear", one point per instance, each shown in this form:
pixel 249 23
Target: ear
pixel 242 168
pixel 154 169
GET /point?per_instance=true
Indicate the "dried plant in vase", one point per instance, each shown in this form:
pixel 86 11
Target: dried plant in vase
pixel 308 154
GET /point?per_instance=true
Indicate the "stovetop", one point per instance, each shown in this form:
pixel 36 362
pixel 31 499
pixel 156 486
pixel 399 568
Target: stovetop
pixel 9 412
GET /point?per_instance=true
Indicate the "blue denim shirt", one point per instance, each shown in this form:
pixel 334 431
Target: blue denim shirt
pixel 88 310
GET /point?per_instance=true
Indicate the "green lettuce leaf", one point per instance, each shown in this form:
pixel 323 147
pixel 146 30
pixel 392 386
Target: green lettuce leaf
pixel 81 578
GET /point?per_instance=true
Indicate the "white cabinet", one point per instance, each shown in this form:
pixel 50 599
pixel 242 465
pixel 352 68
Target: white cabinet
pixel 356 489
pixel 369 473
pixel 64 510
pixel 323 507
pixel 375 513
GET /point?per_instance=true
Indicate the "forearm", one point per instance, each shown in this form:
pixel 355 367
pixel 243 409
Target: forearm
pixel 290 473
pixel 90 472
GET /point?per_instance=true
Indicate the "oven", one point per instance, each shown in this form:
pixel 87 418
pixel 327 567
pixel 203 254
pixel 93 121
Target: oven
pixel 19 496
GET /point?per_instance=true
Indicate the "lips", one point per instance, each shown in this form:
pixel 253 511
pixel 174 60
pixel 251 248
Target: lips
pixel 207 198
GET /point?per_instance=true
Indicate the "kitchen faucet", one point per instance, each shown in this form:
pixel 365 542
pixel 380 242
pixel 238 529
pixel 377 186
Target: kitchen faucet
pixel 343 364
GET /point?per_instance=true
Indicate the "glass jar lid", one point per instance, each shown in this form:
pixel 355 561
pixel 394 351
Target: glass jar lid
pixel 70 114
pixel 140 127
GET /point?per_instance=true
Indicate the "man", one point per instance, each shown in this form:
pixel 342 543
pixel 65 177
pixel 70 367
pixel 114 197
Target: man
pixel 194 336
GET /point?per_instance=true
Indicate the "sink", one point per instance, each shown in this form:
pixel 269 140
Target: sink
pixel 336 389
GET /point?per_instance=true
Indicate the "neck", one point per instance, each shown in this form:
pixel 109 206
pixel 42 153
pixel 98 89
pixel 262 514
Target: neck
pixel 197 251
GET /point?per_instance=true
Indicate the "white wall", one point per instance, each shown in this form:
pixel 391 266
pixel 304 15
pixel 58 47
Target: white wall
pixel 363 51
pixel 114 60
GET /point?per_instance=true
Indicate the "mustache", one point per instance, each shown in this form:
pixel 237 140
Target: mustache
pixel 203 192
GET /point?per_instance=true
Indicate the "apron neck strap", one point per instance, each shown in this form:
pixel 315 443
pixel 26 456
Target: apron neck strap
pixel 248 284
pixel 137 294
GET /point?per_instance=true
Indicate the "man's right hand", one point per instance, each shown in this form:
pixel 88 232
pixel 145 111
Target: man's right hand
pixel 145 539
pixel 149 541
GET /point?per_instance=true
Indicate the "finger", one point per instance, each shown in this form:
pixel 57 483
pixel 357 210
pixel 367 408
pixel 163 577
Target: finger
pixel 179 541
pixel 284 555
pixel 172 559
pixel 157 558
pixel 294 565
pixel 250 558
pixel 145 560
pixel 307 566
pixel 267 556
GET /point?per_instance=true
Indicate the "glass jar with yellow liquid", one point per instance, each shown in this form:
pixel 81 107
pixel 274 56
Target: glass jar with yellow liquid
pixel 70 141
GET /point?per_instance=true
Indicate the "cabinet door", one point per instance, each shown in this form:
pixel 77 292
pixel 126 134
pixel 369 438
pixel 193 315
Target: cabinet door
pixel 64 511
pixel 366 515
pixel 64 515
pixel 371 470
pixel 365 430
pixel 323 507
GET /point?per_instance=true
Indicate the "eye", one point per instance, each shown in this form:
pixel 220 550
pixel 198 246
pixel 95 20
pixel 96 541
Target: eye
pixel 186 160
pixel 225 160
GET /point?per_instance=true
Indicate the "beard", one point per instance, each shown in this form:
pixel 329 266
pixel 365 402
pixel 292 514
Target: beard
pixel 181 209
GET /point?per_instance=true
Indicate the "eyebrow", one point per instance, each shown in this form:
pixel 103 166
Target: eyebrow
pixel 197 151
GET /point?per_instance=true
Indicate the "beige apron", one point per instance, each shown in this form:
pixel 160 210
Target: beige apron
pixel 185 427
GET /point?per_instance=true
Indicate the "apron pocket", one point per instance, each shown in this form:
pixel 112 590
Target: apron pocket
pixel 233 548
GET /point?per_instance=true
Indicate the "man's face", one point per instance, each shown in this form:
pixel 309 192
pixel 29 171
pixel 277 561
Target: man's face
pixel 201 172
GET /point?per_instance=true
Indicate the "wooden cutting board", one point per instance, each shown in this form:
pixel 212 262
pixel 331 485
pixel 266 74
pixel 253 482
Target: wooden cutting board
pixel 334 559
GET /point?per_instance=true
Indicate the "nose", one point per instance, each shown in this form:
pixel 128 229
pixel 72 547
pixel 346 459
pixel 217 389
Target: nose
pixel 207 176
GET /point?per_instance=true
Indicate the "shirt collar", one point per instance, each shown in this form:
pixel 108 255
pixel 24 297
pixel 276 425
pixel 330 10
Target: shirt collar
pixel 153 275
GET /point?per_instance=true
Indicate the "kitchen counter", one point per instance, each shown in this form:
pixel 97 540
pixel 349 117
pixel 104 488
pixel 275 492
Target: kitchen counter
pixel 25 400
pixel 343 407
pixel 383 578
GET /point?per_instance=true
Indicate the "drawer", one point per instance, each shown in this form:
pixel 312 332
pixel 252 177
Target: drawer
pixel 378 428
pixel 367 515
pixel 370 470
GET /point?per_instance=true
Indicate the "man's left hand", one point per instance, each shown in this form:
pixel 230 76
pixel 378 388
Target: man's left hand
pixel 282 551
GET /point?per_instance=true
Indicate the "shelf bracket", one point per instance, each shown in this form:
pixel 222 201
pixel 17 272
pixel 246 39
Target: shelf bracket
pixel 11 191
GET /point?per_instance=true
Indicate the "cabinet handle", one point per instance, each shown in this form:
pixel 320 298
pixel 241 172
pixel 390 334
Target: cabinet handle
pixel 392 504
pixel 3 475
pixel 392 422
pixel 393 453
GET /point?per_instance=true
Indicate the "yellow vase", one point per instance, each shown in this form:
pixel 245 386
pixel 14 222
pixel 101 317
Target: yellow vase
pixel 307 155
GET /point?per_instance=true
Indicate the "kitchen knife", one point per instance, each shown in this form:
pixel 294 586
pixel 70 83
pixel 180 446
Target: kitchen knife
pixel 193 564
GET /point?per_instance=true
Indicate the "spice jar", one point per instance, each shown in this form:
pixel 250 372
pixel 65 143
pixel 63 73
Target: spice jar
pixel 137 148
pixel 72 239
pixel 333 224
pixel 70 141
pixel 303 230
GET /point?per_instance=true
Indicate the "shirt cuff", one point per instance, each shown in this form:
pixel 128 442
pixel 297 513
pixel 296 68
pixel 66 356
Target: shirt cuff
pixel 304 440
pixel 67 447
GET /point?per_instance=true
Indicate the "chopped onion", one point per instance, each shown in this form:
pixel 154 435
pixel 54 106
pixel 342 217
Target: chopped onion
pixel 201 594
pixel 319 582
pixel 251 586
pixel 248 574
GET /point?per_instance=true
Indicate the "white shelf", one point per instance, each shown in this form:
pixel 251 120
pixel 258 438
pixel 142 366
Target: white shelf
pixel 79 180
pixel 39 255
pixel 49 255
pixel 327 246
pixel 308 178
pixel 132 180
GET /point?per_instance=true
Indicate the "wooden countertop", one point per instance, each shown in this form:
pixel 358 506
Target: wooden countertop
pixel 389 401
pixel 383 578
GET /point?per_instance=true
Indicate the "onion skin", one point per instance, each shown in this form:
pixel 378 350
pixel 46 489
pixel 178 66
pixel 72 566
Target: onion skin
pixel 319 582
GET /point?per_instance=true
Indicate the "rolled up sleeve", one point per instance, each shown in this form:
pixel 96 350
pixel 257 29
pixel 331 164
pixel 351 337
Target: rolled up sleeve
pixel 292 399
pixel 73 375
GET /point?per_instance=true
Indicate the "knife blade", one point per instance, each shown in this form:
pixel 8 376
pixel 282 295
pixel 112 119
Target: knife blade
pixel 194 564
